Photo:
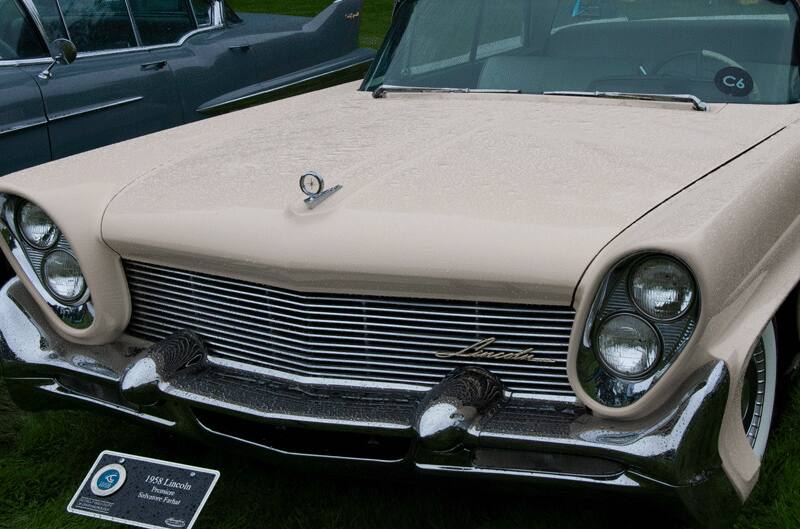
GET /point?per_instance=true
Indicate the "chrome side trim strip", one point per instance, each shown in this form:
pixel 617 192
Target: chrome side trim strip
pixel 263 94
pixel 101 53
pixel 93 108
pixel 23 126
pixel 24 62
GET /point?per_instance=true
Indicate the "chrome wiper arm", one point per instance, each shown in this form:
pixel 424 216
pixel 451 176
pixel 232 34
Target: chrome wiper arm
pixel 697 103
pixel 381 90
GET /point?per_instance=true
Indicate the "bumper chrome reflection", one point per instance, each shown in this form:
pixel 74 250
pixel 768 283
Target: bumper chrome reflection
pixel 483 431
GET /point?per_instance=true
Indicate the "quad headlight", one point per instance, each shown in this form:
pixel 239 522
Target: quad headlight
pixel 45 256
pixel 662 288
pixel 36 227
pixel 627 345
pixel 643 315
pixel 62 276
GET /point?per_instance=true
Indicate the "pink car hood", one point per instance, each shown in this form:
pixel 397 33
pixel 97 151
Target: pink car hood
pixel 503 197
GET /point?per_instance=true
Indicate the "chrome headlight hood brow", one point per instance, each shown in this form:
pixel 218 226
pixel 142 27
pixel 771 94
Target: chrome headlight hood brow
pixel 434 202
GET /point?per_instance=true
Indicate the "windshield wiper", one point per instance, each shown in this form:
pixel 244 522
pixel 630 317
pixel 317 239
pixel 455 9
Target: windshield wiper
pixel 697 103
pixel 384 88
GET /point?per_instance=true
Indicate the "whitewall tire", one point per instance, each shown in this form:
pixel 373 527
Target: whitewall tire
pixel 759 390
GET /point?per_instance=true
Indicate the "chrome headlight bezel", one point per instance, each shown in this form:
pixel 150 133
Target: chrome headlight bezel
pixel 639 264
pixel 77 313
pixel 615 297
pixel 20 225
pixel 604 361
pixel 46 279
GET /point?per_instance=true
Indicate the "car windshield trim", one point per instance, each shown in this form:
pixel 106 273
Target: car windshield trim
pixel 381 90
pixel 608 46
pixel 697 103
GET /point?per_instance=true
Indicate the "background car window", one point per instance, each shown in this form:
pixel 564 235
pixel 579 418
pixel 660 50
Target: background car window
pixel 161 21
pixel 18 39
pixel 202 11
pixel 95 25
pixel 51 19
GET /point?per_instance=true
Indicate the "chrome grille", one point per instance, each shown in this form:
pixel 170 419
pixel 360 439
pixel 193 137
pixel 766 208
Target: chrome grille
pixel 358 338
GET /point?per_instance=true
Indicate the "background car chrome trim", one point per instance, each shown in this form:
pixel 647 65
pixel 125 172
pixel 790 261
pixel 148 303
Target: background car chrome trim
pixel 23 62
pixel 34 15
pixel 47 60
pixel 63 20
pixel 31 124
pixel 353 338
pixel 134 26
pixel 150 48
pixel 93 108
pixel 264 94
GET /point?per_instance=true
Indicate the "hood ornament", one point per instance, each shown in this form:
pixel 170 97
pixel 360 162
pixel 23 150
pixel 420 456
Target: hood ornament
pixel 313 185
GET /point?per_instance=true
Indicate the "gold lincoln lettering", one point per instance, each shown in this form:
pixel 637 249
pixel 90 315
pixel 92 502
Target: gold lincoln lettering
pixel 478 350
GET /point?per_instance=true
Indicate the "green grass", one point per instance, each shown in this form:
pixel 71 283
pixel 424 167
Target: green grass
pixel 375 16
pixel 44 457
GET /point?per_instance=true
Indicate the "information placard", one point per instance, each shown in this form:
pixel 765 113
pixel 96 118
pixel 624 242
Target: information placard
pixel 143 492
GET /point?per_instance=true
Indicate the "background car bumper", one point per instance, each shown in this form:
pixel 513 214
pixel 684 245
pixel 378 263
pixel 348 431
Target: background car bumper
pixel 672 452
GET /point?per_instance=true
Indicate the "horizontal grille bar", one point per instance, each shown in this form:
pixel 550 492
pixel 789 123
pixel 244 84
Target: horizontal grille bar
pixel 357 338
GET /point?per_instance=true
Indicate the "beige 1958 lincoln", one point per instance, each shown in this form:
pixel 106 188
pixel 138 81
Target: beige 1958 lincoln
pixel 551 242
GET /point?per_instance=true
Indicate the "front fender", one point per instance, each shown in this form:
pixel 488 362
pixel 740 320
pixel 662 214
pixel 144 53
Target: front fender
pixel 739 230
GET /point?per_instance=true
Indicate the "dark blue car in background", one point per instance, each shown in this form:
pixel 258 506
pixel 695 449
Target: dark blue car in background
pixel 79 74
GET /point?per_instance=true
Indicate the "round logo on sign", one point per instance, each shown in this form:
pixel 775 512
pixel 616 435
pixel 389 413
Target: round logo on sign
pixel 734 82
pixel 108 480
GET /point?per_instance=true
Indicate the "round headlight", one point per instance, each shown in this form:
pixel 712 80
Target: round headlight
pixel 628 346
pixel 662 288
pixel 37 228
pixel 63 276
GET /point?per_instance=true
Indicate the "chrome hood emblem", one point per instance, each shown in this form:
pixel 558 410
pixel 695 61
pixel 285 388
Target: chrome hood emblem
pixel 313 186
pixel 478 350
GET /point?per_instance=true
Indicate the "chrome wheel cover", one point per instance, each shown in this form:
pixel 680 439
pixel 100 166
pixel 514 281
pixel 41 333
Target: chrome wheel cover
pixel 758 390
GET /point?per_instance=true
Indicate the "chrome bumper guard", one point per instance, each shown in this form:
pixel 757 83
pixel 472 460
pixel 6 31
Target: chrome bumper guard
pixel 466 426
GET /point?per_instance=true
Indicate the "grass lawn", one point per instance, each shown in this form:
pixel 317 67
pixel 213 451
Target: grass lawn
pixel 44 457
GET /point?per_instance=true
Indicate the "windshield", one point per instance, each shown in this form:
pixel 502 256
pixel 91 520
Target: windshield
pixel 718 50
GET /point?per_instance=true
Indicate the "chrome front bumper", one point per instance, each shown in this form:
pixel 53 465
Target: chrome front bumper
pixel 673 452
